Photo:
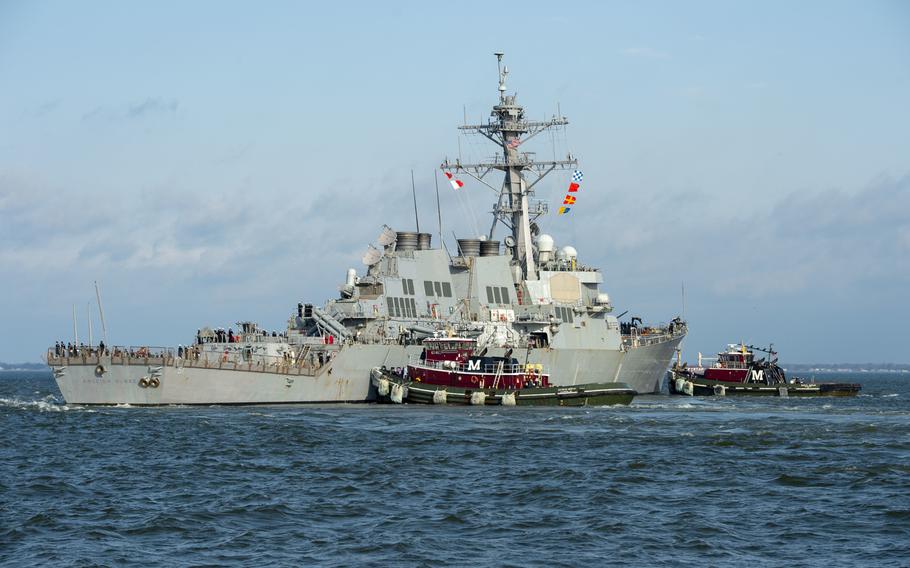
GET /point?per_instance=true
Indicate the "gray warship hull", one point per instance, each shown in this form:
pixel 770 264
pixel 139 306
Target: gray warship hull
pixel 344 380
pixel 646 366
pixel 124 380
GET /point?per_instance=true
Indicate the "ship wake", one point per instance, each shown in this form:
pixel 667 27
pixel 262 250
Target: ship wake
pixel 46 404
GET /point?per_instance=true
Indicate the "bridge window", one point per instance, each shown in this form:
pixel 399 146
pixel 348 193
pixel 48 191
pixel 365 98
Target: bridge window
pixel 428 288
pixel 447 289
pixel 505 295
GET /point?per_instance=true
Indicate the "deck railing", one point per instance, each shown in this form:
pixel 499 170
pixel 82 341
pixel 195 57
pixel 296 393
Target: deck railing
pixel 653 336
pixel 307 362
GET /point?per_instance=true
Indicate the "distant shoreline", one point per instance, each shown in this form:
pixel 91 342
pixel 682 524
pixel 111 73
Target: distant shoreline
pixel 789 367
pixel 847 367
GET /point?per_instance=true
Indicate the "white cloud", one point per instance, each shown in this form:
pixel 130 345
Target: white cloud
pixel 180 258
pixel 834 241
pixel 692 92
pixel 645 52
pixel 139 109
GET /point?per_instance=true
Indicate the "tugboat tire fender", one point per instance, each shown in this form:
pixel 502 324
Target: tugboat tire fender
pixel 154 382
pixel 99 370
pixel 143 383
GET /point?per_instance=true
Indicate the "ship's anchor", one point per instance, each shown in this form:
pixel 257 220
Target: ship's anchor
pixel 153 380
pixel 146 382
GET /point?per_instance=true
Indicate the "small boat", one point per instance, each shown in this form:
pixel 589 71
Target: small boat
pixel 736 371
pixel 451 371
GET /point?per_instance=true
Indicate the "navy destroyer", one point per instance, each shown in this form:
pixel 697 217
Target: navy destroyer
pixel 523 298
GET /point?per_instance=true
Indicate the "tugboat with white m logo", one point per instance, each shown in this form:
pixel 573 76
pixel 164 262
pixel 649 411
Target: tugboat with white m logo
pixel 736 371
pixel 451 370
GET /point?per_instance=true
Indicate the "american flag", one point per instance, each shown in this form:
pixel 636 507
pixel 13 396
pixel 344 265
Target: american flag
pixel 514 143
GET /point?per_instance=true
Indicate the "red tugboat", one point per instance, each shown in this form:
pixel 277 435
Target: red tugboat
pixel 451 371
pixel 736 371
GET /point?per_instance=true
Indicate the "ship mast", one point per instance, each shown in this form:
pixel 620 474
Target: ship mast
pixel 508 129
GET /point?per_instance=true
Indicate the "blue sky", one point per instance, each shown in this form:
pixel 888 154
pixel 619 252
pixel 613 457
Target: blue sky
pixel 209 161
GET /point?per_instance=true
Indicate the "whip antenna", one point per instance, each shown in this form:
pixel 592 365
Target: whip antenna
pixel 414 194
pixel 438 208
pixel 101 311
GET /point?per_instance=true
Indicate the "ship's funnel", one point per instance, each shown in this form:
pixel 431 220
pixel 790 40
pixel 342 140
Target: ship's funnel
pixel 406 240
pixel 489 248
pixel 469 247
pixel 423 241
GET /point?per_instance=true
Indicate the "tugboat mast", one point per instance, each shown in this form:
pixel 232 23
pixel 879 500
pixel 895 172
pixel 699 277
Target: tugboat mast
pixel 508 129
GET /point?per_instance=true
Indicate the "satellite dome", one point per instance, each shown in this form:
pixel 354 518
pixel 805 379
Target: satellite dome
pixel 545 243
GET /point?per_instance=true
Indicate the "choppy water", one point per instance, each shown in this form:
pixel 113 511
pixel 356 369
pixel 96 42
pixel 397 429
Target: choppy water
pixel 666 482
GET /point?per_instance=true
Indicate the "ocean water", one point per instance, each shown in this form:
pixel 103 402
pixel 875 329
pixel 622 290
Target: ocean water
pixel 665 482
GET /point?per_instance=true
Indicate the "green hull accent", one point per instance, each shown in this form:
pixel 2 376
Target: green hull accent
pixel 707 387
pixel 591 394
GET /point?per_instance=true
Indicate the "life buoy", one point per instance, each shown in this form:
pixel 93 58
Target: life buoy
pixel 99 370
pixel 474 380
pixel 154 382
pixel 502 317
pixel 143 383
